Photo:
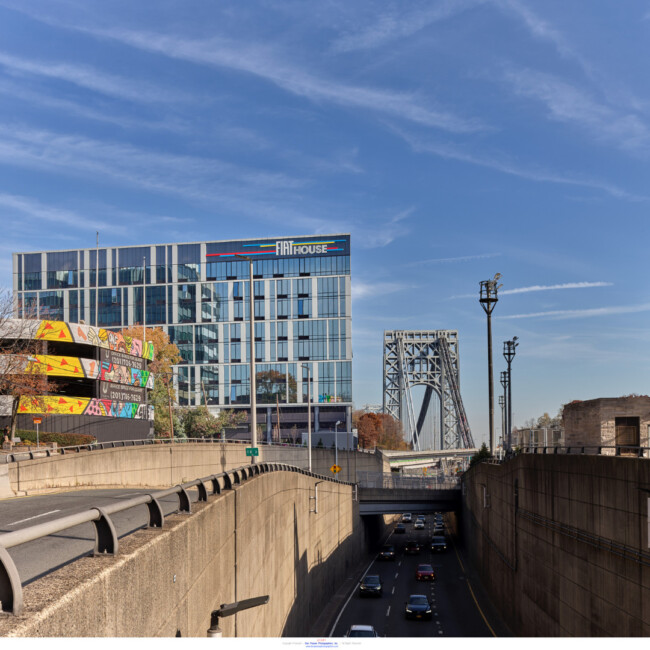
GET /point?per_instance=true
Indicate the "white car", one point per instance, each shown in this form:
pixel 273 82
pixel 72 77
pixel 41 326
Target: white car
pixel 406 518
pixel 362 630
pixel 418 525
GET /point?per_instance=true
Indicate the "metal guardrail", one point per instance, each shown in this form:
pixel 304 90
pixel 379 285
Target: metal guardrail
pixel 60 451
pixel 106 542
pixel 398 482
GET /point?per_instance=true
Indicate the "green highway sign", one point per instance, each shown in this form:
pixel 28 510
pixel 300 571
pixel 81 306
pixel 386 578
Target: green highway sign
pixel 252 451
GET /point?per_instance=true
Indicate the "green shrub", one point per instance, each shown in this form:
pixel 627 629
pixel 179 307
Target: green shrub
pixel 483 454
pixel 61 439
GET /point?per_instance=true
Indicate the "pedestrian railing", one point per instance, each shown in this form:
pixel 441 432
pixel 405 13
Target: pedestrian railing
pixel 599 450
pixel 31 454
pixel 106 542
pixel 400 482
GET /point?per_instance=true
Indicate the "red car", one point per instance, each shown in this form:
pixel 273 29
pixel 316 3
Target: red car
pixel 424 572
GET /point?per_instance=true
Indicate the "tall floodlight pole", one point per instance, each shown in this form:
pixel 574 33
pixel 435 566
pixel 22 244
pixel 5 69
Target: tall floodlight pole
pixel 502 403
pixel 488 299
pixel 308 369
pixel 251 348
pixel 504 398
pixel 509 354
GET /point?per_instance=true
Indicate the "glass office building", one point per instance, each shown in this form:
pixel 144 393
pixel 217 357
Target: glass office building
pixel 199 293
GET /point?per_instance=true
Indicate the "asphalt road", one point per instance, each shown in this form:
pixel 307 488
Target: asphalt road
pixel 455 611
pixel 37 558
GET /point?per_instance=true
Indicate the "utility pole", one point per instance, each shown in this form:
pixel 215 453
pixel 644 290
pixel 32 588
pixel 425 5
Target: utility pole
pixel 502 401
pixel 509 354
pixel 488 299
pixel 144 304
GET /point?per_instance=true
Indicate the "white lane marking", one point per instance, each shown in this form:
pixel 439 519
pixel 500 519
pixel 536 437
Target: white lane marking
pixel 392 592
pixel 388 611
pixel 336 622
pixel 51 512
pixel 396 575
pixel 399 563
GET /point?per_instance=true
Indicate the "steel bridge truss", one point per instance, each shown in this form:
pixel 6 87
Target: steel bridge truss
pixel 425 358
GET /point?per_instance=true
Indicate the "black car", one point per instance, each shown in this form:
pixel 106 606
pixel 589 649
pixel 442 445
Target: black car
pixel 370 586
pixel 400 529
pixel 438 544
pixel 418 606
pixel 412 548
pixel 387 553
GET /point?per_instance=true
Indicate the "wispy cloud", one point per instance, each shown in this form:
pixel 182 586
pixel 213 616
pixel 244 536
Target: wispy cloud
pixel 568 104
pixel 581 313
pixel 542 30
pixel 538 287
pixel 555 287
pixel 453 260
pixel 363 290
pixel 90 79
pixel 401 23
pixel 502 163
pixel 100 113
pixel 382 231
pixel 31 208
pixel 264 62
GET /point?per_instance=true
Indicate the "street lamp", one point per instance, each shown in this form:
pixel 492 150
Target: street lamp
pixel 336 442
pixel 502 401
pixel 488 299
pixel 504 398
pixel 509 354
pixel 253 382
pixel 308 369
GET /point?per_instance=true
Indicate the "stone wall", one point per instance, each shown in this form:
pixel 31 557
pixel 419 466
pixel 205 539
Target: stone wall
pixel 561 543
pixel 593 422
pixel 257 539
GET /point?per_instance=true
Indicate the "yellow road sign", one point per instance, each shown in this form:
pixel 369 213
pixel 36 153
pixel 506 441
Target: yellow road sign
pixel 335 469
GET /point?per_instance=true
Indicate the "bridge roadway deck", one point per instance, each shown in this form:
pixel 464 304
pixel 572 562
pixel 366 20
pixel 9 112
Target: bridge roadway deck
pixel 377 501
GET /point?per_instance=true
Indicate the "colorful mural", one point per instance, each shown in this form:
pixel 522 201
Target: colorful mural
pixel 58 366
pixel 50 330
pixel 60 405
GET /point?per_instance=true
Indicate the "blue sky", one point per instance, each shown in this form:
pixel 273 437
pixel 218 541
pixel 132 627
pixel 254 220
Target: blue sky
pixel 452 139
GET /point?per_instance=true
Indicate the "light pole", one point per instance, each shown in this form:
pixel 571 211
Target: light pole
pixel 97 283
pixel 336 442
pixel 308 369
pixel 144 303
pixel 502 401
pixel 253 382
pixel 509 354
pixel 504 397
pixel 488 299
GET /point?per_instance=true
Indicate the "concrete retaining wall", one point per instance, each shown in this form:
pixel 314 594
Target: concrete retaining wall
pixel 257 539
pixel 165 465
pixel 561 543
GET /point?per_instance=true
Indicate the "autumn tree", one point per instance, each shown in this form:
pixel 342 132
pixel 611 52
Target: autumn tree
pixel 21 376
pixel 368 428
pixel 272 385
pixel 391 435
pixel 166 355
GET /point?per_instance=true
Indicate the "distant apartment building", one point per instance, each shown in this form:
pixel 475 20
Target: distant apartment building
pixel 199 293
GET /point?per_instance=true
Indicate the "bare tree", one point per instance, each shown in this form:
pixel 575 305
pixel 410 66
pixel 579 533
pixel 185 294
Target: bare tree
pixel 21 375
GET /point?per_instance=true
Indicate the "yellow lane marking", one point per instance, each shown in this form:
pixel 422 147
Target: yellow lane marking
pixel 471 591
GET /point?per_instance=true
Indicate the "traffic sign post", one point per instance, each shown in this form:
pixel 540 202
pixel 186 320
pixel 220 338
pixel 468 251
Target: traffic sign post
pixel 37 421
pixel 252 451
